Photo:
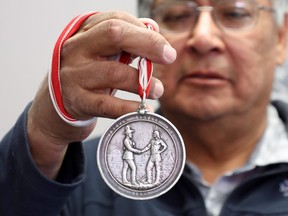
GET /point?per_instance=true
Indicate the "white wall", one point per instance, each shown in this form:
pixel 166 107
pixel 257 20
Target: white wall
pixel 28 32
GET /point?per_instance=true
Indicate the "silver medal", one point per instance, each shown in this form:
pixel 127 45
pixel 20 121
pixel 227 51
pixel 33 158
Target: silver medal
pixel 141 156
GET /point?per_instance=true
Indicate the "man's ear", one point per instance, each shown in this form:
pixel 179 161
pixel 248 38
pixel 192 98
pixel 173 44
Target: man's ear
pixel 282 46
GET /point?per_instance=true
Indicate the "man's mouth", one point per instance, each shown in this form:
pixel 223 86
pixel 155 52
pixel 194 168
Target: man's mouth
pixel 205 78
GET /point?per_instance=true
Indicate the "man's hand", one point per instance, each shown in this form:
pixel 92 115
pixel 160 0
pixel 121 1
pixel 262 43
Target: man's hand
pixel 87 74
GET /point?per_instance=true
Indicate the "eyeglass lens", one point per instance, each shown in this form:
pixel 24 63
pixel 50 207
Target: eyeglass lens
pixel 178 16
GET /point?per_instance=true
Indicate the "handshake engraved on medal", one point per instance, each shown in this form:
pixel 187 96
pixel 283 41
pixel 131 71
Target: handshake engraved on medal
pixel 153 166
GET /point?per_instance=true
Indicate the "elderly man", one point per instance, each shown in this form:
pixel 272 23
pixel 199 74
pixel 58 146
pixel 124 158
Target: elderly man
pixel 217 93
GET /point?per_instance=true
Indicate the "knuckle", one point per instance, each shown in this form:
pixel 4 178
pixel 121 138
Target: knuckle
pixel 68 47
pixel 117 76
pixel 119 15
pixel 123 16
pixel 115 30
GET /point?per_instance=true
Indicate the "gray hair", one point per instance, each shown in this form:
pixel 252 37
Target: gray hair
pixel 280 7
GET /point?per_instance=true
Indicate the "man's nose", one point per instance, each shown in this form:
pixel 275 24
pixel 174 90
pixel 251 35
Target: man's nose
pixel 204 37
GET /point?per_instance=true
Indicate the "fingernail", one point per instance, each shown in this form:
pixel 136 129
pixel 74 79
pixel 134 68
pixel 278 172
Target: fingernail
pixel 170 53
pixel 158 90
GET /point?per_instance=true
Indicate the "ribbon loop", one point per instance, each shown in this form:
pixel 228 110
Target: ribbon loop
pixel 145 69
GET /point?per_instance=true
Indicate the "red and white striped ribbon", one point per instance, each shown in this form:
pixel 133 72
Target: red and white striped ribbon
pixel 145 69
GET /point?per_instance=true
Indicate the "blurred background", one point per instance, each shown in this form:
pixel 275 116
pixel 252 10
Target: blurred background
pixel 29 30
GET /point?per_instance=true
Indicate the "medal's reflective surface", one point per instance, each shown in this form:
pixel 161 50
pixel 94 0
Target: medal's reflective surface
pixel 141 155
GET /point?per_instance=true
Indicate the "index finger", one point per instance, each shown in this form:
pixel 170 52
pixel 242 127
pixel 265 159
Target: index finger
pixel 109 34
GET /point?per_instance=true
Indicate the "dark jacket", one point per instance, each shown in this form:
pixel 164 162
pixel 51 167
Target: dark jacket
pixel 80 191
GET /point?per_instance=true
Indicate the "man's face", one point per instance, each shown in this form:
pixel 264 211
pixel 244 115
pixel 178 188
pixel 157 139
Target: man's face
pixel 220 72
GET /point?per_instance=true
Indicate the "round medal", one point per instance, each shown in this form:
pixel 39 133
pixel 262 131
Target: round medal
pixel 141 156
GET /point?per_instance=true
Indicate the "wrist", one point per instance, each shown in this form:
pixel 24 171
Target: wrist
pixel 47 152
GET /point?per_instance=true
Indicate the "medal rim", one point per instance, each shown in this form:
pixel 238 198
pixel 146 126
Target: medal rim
pixel 181 164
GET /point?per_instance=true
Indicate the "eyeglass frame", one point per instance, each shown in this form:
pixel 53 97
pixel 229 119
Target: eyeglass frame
pixel 199 9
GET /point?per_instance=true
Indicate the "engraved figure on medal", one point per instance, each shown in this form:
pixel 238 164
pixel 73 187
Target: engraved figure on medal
pixel 129 148
pixel 157 146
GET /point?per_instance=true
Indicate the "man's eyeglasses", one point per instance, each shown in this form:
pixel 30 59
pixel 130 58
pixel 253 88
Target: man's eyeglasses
pixel 181 16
